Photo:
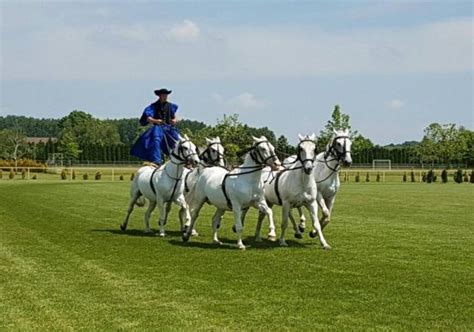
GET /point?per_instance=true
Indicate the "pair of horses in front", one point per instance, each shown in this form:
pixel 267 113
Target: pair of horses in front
pixel 191 179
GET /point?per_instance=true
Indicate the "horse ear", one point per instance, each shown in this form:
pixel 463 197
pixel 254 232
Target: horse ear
pixel 334 131
pixel 263 138
pixel 186 137
pixel 346 132
pixel 218 139
pixel 208 141
pixel 255 139
pixel 312 137
pixel 300 137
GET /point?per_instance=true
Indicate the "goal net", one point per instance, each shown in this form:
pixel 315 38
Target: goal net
pixel 382 164
pixel 55 159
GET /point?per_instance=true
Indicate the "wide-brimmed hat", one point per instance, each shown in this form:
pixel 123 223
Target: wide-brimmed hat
pixel 162 92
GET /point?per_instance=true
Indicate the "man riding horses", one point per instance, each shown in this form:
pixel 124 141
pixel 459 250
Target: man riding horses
pixel 162 135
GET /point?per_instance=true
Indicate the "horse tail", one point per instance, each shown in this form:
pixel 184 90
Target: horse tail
pixel 134 192
pixel 140 201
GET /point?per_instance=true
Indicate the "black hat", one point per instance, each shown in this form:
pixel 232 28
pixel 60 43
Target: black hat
pixel 162 92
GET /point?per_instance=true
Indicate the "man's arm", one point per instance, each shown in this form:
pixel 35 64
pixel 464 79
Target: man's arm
pixel 154 121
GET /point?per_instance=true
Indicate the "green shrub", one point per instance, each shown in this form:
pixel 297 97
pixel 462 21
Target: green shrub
pixel 132 176
pixel 378 177
pixel 357 178
pixel 1 173
pixel 471 180
pixel 423 176
pixel 431 176
pixel 367 177
pixel 405 177
pixel 11 175
pixel 98 175
pixel 63 175
pixel 23 173
pixel 85 176
pixel 73 174
pixel 121 177
pixel 34 177
pixel 412 176
pixel 466 177
pixel 458 176
pixel 444 176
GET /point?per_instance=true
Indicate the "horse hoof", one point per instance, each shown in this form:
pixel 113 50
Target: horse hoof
pixel 272 238
pixel 258 239
pixel 283 244
pixel 185 238
pixel 313 234
pixel 301 228
pixel 241 247
pixel 298 235
pixel 327 247
pixel 219 243
pixel 162 234
pixel 194 233
pixel 218 226
pixel 123 227
pixel 234 229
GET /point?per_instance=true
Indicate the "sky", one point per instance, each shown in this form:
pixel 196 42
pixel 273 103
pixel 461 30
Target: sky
pixel 393 66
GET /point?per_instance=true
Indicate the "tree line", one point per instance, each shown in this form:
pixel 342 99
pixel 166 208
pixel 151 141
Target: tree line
pixel 82 138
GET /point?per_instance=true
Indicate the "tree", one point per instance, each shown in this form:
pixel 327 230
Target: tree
pixel 338 121
pixel 13 144
pixel 69 146
pixel 283 147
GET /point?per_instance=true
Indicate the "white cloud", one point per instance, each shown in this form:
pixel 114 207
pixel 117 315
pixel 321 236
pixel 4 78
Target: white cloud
pixel 396 104
pixel 242 102
pixel 187 31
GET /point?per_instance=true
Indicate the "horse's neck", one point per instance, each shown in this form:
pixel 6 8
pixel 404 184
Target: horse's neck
pixel 174 168
pixel 325 166
pixel 250 165
pixel 307 180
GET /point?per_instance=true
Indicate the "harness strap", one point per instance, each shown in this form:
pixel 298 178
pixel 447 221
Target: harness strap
pixel 229 203
pixel 174 190
pixel 151 180
pixel 277 191
pixel 186 187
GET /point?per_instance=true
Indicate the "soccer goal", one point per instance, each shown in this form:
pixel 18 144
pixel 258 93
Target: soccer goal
pixel 55 159
pixel 382 164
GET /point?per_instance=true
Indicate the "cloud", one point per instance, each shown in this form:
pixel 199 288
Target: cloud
pixel 396 104
pixel 242 102
pixel 187 31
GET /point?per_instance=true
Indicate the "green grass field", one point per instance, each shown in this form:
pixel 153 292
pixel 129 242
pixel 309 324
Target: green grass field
pixel 402 259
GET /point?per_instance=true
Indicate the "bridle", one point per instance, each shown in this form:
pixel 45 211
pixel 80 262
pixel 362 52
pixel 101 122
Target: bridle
pixel 181 157
pixel 300 150
pixel 332 151
pixel 256 155
pixel 206 155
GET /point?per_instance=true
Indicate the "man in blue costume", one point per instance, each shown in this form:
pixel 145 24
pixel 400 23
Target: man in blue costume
pixel 162 135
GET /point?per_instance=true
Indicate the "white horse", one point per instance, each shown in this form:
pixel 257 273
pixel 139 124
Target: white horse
pixel 326 174
pixel 212 155
pixel 293 187
pixel 235 190
pixel 163 185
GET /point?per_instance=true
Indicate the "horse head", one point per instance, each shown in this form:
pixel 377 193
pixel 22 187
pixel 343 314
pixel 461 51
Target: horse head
pixel 214 152
pixel 306 153
pixel 263 153
pixel 186 151
pixel 340 146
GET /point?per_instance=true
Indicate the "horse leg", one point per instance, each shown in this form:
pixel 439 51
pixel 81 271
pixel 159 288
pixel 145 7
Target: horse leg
pixel 313 209
pixel 298 234
pixel 196 206
pixel 302 225
pixel 327 218
pixel 133 199
pixel 184 215
pixel 162 218
pixel 263 207
pixel 285 211
pixel 216 221
pixel 238 224
pixel 261 216
pixel 148 212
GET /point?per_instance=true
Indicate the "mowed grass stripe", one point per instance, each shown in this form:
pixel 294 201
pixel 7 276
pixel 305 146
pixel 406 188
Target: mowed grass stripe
pixel 401 260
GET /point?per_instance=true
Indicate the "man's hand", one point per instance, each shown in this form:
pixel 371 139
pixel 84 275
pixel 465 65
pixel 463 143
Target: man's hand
pixel 173 121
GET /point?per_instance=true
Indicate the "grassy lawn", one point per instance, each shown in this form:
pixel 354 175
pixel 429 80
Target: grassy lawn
pixel 402 259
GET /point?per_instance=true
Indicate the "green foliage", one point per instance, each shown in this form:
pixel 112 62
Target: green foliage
pixel 13 144
pixel 63 175
pixel 23 173
pixel 132 176
pixel 31 127
pixel 412 176
pixel 423 176
pixel 431 176
pixel 367 177
pixel 471 179
pixel 68 145
pixel 466 177
pixel 378 177
pixel 444 176
pixel 338 120
pixel 98 175
pixel 357 177
pixel 405 177
pixel 458 176
pixel 73 175
pixel 121 177
pixel 85 176
pixel 11 175
pixel 1 174
pixel 34 177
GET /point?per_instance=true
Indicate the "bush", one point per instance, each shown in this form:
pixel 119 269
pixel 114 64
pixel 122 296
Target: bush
pixel 1 174
pixel 431 176
pixel 458 176
pixel 34 177
pixel 367 177
pixel 63 174
pixel 444 176
pixel 11 175
pixel 378 177
pixel 98 175
pixel 412 176
pixel 357 178
pixel 23 173
pixel 132 176
pixel 471 180
pixel 73 174
pixel 405 177
pixel 121 177
pixel 85 176
pixel 466 177
pixel 423 176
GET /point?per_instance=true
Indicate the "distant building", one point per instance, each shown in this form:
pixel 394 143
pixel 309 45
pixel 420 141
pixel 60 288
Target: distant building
pixel 38 140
